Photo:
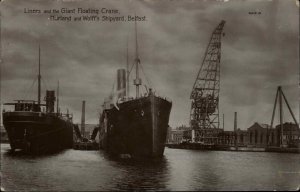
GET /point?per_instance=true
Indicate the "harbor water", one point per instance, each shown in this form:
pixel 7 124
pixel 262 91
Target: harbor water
pixel 74 170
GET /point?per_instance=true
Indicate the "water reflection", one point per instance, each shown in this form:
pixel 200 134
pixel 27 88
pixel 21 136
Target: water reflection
pixel 187 170
pixel 20 154
pixel 194 170
pixel 207 174
pixel 148 174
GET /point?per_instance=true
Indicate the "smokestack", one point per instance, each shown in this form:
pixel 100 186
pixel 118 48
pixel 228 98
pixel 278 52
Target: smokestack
pixel 223 121
pixel 235 121
pixel 235 129
pixel 83 119
pixel 121 82
pixel 50 99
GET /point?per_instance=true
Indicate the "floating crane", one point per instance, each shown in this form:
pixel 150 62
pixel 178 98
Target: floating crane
pixel 204 115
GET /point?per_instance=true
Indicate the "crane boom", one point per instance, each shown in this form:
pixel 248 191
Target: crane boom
pixel 204 115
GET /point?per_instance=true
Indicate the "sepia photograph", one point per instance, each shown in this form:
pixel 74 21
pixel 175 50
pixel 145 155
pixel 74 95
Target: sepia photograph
pixel 149 95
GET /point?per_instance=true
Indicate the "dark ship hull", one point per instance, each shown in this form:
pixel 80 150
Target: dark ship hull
pixel 138 128
pixel 37 132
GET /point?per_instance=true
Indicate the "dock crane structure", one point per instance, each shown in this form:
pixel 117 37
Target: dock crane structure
pixel 278 99
pixel 204 114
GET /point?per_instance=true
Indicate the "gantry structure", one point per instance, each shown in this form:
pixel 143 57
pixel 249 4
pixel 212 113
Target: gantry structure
pixel 204 114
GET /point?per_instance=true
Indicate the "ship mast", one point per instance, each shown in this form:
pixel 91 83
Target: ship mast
pixel 39 78
pixel 137 81
pixel 127 72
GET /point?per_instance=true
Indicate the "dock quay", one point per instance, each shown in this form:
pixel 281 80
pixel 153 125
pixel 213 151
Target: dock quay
pixel 265 149
pixel 83 140
pixel 259 137
pixel 86 146
pixel 199 146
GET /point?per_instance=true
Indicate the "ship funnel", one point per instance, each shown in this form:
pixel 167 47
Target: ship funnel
pixel 50 99
pixel 83 119
pixel 121 83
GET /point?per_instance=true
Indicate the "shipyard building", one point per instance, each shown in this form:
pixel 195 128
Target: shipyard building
pixel 255 136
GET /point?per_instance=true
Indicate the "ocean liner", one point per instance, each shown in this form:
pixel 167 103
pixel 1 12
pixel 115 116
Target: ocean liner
pixel 134 127
pixel 35 128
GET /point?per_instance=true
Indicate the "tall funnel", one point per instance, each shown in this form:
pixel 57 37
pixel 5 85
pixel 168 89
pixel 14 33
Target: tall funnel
pixel 235 129
pixel 83 119
pixel 235 121
pixel 50 99
pixel 121 82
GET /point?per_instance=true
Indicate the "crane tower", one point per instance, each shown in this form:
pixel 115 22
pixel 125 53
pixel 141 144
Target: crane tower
pixel 204 115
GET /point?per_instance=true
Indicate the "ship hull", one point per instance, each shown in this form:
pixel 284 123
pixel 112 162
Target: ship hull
pixel 138 128
pixel 36 132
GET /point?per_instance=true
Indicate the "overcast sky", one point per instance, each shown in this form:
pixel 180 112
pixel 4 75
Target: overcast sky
pixel 259 52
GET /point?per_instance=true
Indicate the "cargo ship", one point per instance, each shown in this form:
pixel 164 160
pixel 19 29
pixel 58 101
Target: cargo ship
pixel 134 127
pixel 35 127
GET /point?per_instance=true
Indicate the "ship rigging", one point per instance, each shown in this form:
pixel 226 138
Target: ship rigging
pixel 134 127
pixel 35 127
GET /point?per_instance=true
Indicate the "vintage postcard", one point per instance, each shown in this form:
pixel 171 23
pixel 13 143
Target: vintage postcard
pixel 189 95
